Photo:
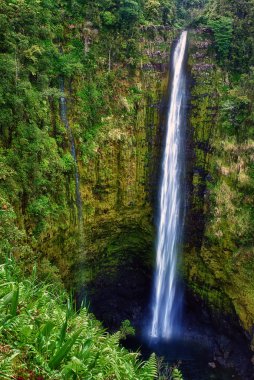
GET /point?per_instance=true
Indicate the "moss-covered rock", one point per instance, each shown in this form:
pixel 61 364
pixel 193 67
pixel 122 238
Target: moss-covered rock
pixel 218 261
pixel 118 183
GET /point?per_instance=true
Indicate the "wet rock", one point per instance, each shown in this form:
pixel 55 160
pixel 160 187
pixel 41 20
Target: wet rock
pixel 203 67
pixel 202 44
pixel 155 27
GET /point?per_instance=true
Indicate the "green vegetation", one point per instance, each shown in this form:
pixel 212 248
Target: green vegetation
pixel 220 264
pixel 98 47
pixel 43 337
pixel 240 15
pixel 223 33
pixel 113 57
pixel 107 53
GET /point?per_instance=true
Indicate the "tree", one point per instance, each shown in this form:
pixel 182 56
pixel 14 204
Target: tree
pixel 130 12
pixel 222 28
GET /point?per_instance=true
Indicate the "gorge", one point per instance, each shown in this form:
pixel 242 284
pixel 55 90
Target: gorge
pixel 82 190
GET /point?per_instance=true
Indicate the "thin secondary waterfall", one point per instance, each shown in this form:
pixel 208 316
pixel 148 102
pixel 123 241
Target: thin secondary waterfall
pixel 167 295
pixel 64 118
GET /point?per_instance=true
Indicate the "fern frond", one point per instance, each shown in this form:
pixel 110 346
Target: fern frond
pixel 149 369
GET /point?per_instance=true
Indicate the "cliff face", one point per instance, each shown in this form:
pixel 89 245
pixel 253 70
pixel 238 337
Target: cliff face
pixel 119 185
pixel 115 114
pixel 110 253
pixel 112 59
pixel 218 263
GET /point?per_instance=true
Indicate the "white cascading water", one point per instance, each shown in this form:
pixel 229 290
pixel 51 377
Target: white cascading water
pixel 167 297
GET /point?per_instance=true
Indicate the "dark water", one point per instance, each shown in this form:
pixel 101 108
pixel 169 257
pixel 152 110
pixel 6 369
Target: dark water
pixel 193 358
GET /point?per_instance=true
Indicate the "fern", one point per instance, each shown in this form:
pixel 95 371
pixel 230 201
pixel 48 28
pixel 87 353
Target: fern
pixel 47 336
pixel 6 365
pixel 176 374
pixel 149 369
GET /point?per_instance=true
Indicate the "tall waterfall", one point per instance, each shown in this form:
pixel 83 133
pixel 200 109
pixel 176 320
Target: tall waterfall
pixel 64 118
pixel 167 302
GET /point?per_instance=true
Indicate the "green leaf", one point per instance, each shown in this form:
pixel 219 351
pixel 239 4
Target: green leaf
pixel 64 351
pixel 44 334
pixel 63 332
pixel 14 302
pixel 12 299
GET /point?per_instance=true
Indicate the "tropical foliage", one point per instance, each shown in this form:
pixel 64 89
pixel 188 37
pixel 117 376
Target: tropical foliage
pixel 42 336
pixel 223 33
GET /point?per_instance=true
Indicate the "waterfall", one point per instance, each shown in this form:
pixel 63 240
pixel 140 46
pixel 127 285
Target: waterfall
pixel 64 118
pixel 167 299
